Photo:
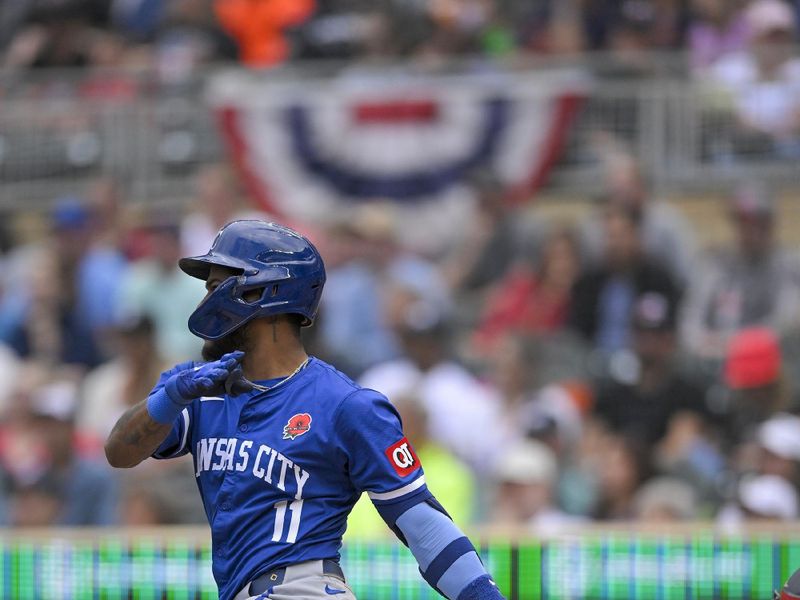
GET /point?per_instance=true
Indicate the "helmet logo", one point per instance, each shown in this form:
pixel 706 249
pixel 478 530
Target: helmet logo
pixel 297 426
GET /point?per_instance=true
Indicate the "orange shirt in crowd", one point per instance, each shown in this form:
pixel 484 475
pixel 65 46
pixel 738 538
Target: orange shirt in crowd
pixel 258 26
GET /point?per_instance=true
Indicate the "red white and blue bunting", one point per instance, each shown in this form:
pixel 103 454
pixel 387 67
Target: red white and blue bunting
pixel 308 147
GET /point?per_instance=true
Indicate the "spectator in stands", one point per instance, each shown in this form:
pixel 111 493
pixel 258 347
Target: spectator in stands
pixel 604 295
pixel 632 29
pixel 103 264
pixel 555 415
pixel 639 396
pixel 10 366
pixel 145 503
pixel 622 467
pixel 216 203
pixel 667 237
pixel 490 244
pixel 546 26
pixel 760 498
pixel 525 495
pixel 118 384
pixel 752 373
pixel 458 405
pixel 542 391
pixel 764 81
pixel 12 15
pixel 512 370
pixel 532 299
pixel 14 259
pixel 764 448
pixel 36 504
pixel 691 452
pixel 624 25
pixel 73 290
pixel 717 28
pixel 452 480
pixel 409 282
pixel 665 499
pixel 779 441
pixel 161 495
pixel 105 201
pixel 752 283
pixel 86 487
pixel 137 19
pixel 55 34
pixel 260 29
pixel 156 288
pixel 579 486
pixel 188 36
pixel 353 328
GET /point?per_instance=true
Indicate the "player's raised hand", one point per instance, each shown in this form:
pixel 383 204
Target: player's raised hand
pixel 237 383
pixel 210 378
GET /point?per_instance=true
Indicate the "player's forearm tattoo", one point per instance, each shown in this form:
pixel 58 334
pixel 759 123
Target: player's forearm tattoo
pixel 134 431
pixel 135 437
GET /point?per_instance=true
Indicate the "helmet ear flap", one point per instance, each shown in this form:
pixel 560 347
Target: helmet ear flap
pixel 223 311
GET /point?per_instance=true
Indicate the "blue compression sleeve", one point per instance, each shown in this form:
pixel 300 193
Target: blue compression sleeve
pixel 162 408
pixel 447 559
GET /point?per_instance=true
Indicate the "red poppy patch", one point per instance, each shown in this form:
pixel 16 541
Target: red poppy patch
pixel 297 425
pixel 402 457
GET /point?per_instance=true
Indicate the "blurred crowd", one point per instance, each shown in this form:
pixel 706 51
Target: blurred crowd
pixel 549 371
pixel 738 56
pixel 176 35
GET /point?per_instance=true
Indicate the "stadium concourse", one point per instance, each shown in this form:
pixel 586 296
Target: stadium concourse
pixel 614 339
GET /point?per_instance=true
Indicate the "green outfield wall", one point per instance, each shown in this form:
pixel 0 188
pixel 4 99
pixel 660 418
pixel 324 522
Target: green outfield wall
pixel 170 565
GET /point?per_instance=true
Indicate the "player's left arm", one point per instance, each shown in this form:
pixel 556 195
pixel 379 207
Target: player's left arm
pixel 382 462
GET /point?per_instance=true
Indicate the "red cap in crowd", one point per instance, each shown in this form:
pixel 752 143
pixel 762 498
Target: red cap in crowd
pixel 754 359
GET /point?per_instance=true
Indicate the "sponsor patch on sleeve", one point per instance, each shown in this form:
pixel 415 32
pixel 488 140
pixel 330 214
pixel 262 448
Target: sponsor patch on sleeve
pixel 402 457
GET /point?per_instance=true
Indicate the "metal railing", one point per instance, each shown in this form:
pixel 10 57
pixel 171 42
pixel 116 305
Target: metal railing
pixel 61 130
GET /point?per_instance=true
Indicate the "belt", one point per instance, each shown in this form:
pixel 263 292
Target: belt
pixel 274 577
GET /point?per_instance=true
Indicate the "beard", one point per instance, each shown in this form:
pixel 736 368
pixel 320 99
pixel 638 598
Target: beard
pixel 216 349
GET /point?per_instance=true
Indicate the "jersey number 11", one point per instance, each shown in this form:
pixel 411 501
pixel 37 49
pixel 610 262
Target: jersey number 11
pixel 296 507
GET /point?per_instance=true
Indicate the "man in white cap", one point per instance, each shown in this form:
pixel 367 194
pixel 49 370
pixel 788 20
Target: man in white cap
pixel 779 440
pixel 526 476
pixel 759 497
pixel 768 497
pixel 764 80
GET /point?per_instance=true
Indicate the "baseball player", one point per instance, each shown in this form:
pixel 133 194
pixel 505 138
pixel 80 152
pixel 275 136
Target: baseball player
pixel 283 443
pixel 790 589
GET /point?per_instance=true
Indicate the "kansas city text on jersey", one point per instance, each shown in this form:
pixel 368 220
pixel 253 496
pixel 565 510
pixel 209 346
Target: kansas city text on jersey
pixel 234 454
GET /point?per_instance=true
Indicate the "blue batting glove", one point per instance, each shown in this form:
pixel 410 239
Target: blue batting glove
pixel 210 378
pixel 237 383
pixel 181 389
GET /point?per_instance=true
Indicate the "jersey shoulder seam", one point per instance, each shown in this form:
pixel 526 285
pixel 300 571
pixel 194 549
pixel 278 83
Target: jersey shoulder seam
pixel 346 380
pixel 354 387
pixel 344 400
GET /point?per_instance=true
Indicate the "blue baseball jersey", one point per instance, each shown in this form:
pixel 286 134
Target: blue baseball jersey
pixel 280 470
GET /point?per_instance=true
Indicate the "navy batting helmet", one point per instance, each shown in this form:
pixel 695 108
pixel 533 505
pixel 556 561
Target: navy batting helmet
pixel 279 262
